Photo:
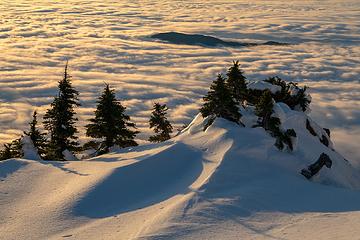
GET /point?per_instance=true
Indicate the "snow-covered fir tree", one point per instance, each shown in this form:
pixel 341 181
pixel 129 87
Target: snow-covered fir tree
pixel 219 102
pixel 294 96
pixel 264 109
pixel 37 137
pixel 12 150
pixel 160 123
pixel 111 124
pixel 60 120
pixel 236 82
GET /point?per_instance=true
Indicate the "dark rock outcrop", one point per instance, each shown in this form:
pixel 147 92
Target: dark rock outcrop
pixel 314 168
pixel 310 128
pixel 324 140
pixel 327 131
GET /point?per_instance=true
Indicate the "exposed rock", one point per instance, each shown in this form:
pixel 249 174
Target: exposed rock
pixel 327 131
pixel 314 168
pixel 310 128
pixel 324 140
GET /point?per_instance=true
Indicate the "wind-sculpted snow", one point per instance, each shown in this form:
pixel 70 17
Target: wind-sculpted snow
pixel 108 41
pixel 142 184
pixel 9 167
pixel 228 182
pixel 254 180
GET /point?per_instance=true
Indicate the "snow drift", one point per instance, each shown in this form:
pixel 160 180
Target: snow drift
pixel 227 182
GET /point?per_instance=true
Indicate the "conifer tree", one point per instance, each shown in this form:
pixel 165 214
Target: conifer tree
pixel 38 138
pixel 60 120
pixel 6 152
pixel 219 103
pixel 159 122
pixel 264 109
pixel 236 82
pixel 300 101
pixel 282 95
pixel 291 94
pixel 16 148
pixel 111 123
pixel 12 150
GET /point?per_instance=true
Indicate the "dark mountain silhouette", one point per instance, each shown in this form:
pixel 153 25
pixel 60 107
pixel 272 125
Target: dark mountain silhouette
pixel 203 40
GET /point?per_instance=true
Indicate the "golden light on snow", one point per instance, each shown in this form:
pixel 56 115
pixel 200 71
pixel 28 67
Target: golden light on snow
pixel 107 41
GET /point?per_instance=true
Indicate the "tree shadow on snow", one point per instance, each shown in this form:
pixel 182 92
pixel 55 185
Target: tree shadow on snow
pixel 113 156
pixel 143 183
pixel 62 166
pixel 8 167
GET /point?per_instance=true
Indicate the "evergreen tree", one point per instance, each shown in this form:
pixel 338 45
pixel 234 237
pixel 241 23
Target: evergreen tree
pixel 12 150
pixel 38 138
pixel 236 82
pixel 282 95
pixel 264 108
pixel 219 103
pixel 300 101
pixel 159 122
pixel 111 123
pixel 60 120
pixel 291 94
pixel 6 152
pixel 16 148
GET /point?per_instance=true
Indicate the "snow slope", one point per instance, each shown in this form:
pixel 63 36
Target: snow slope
pixel 109 41
pixel 228 182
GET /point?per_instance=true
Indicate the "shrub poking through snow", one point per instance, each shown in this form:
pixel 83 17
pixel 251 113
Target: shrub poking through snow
pixel 264 109
pixel 38 139
pixel 110 123
pixel 285 139
pixel 60 120
pixel 12 150
pixel 219 103
pixel 158 121
pixel 236 82
pixel 291 94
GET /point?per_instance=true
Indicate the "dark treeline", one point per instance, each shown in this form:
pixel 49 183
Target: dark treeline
pixel 111 126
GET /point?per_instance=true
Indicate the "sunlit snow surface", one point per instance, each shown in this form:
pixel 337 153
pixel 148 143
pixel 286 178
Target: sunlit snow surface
pixel 108 41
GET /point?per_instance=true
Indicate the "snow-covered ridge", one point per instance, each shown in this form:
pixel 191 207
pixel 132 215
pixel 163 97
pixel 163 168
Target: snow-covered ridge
pixel 175 189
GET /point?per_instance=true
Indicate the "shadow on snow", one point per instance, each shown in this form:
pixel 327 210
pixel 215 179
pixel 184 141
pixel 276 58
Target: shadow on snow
pixel 143 183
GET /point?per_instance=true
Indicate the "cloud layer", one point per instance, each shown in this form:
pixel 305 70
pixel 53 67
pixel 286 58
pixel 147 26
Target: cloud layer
pixel 108 41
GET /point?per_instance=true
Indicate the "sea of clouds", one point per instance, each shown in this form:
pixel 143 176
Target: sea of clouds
pixel 108 41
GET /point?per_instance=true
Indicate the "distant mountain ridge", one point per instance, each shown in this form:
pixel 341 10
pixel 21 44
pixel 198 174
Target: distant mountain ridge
pixel 208 41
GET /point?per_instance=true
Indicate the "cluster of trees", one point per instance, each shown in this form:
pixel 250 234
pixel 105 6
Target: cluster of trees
pixel 110 125
pixel 228 94
pixel 225 95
